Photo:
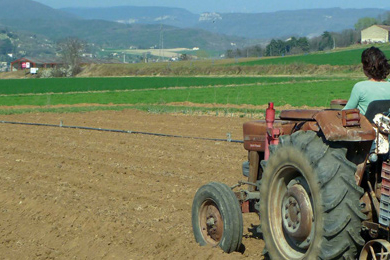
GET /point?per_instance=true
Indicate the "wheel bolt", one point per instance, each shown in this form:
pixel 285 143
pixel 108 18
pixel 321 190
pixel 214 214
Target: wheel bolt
pixel 286 216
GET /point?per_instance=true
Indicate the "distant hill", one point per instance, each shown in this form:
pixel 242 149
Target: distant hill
pixel 116 35
pixel 250 25
pixel 144 27
pixel 26 10
pixel 30 16
pixel 178 17
pixel 287 23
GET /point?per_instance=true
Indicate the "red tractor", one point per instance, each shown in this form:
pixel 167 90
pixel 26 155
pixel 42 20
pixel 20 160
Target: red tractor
pixel 319 181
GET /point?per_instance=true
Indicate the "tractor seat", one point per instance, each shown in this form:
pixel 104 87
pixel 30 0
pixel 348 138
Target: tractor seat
pixel 376 107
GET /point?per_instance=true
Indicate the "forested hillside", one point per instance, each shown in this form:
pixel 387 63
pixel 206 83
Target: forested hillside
pixel 30 16
pixel 307 23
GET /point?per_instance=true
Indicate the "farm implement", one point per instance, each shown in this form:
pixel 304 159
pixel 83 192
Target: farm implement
pixel 319 181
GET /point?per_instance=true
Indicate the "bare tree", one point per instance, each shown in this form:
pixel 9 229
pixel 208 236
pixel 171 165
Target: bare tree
pixel 71 50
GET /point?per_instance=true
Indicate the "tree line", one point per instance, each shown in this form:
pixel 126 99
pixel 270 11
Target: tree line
pixel 326 41
pixel 6 45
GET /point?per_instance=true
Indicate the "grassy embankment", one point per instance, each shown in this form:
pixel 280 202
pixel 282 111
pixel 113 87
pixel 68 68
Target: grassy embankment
pixel 336 62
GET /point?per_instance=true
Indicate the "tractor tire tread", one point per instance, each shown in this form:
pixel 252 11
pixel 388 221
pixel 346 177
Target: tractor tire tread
pixel 228 205
pixel 338 192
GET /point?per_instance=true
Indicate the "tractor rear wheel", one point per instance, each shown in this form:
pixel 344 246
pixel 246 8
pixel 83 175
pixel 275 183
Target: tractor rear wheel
pixel 310 202
pixel 216 217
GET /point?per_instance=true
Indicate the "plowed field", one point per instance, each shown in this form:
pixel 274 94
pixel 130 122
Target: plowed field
pixel 80 194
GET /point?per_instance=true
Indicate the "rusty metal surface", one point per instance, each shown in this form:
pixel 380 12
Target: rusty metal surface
pixel 245 207
pixel 255 133
pixel 211 222
pixel 366 205
pixel 310 126
pixel 330 122
pixel 374 199
pixel 358 153
pixel 298 114
pixel 297 213
pixel 254 162
pixel 342 102
pixel 375 249
pixel 372 227
pixel 338 103
pixel 247 200
pixel 350 117
pixel 360 171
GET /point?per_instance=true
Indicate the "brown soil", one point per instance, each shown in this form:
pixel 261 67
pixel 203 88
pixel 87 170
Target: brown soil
pixel 80 194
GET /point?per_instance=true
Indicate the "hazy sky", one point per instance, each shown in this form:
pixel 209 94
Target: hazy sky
pixel 199 6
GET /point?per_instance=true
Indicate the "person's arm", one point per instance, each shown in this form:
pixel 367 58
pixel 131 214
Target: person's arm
pixel 353 100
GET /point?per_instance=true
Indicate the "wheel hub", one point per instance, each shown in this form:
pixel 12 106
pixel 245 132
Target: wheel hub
pixel 212 228
pixel 297 213
pixel 211 223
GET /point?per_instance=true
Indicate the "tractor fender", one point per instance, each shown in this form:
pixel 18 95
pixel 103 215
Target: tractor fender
pixel 331 124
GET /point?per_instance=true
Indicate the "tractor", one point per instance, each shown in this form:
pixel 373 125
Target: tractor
pixel 319 181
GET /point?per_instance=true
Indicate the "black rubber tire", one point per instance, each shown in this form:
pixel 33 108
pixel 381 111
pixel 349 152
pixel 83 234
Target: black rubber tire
pixel 323 174
pixel 220 198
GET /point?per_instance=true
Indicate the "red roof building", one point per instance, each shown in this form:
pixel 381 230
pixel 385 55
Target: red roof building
pixel 27 63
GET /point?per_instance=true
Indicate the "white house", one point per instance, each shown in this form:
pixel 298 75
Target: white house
pixel 375 33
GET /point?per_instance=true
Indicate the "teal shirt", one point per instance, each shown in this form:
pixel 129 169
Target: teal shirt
pixel 366 91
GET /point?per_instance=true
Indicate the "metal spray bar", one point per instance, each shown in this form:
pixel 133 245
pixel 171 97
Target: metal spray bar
pixel 61 125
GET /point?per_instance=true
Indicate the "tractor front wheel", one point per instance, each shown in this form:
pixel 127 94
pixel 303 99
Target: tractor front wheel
pixel 217 218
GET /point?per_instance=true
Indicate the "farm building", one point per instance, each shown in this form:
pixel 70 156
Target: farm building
pixel 375 33
pixel 27 63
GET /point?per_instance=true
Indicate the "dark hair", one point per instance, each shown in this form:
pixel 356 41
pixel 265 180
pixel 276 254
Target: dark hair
pixel 375 64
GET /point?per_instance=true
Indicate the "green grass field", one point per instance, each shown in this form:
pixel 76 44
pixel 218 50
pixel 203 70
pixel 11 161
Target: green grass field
pixel 334 58
pixel 66 85
pixel 294 91
pixel 154 93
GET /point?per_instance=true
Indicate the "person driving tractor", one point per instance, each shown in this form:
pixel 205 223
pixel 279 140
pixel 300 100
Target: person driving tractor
pixel 376 68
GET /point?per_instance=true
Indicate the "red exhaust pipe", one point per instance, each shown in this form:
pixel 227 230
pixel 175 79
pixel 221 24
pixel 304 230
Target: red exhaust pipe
pixel 272 137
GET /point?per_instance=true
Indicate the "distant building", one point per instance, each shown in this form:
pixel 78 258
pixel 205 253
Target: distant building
pixel 376 33
pixel 87 55
pixel 3 66
pixel 27 63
